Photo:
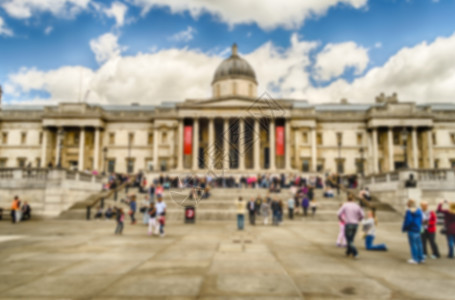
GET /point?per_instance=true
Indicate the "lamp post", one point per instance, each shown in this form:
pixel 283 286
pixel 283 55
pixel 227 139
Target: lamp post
pixel 105 158
pixel 60 135
pixel 404 137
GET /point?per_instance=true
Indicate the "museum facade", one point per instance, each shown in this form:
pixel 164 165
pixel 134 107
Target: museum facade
pixel 236 131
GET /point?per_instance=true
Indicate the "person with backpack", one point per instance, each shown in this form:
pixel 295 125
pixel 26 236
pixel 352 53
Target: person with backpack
pixel 412 225
pixel 120 218
pixel 449 221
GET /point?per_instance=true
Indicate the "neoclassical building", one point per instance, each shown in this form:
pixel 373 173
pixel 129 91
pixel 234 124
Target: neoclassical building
pixel 236 131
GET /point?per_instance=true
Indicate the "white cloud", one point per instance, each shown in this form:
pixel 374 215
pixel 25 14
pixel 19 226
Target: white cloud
pixel 267 14
pixel 5 30
pixel 334 59
pixel 48 30
pixel 117 11
pixel 184 35
pixel 423 73
pixel 23 9
pixel 106 47
pixel 378 45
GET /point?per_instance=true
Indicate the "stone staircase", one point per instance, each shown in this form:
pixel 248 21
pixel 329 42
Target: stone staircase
pixel 220 205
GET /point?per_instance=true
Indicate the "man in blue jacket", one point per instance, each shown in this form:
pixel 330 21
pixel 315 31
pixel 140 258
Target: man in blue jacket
pixel 413 226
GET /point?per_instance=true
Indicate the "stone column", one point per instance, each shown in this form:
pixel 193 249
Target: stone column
pixel 241 144
pixel 314 158
pixel 226 144
pixel 375 150
pixel 390 149
pixel 180 146
pixel 80 163
pixel 96 150
pixel 287 144
pixel 256 139
pixel 211 146
pixel 430 148
pixel 272 144
pixel 296 149
pixel 44 148
pixel 414 148
pixel 57 145
pixel 155 149
pixel 195 144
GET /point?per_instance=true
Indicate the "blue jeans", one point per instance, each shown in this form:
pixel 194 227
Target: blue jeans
pixel 415 243
pixel 369 244
pixel 349 232
pixel 450 243
pixel 240 221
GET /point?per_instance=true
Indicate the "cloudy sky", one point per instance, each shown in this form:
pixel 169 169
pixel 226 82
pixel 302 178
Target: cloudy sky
pixel 150 51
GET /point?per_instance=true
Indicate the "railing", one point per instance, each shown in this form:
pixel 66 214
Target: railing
pixel 44 174
pixel 35 173
pixel 6 173
pixel 441 175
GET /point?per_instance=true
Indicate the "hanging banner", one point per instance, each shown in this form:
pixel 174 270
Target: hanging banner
pixel 279 140
pixel 187 140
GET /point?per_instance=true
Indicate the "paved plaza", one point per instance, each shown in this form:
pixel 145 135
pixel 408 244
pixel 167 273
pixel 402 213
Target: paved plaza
pixel 57 259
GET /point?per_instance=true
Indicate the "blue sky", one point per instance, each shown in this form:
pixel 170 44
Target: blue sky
pixel 50 54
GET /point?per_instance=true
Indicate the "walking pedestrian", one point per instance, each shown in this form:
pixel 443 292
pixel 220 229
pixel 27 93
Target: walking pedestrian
pixel 265 211
pixel 341 239
pixel 120 218
pixel 352 214
pixel 449 221
pixel 429 231
pixel 144 210
pixel 275 212
pixel 369 228
pixel 291 205
pixel 161 214
pixel 152 219
pixel 251 207
pixel 240 205
pixel 413 226
pixel 133 207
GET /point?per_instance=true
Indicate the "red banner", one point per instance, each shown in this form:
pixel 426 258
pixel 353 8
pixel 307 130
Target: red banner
pixel 279 140
pixel 187 140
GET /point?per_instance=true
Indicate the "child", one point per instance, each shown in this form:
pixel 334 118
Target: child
pixel 369 229
pixel 120 219
pixel 341 240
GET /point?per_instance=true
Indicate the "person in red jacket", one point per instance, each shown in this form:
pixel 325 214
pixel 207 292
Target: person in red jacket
pixel 449 220
pixel 429 230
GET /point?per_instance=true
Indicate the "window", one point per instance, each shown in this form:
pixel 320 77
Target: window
pixel 149 164
pixel 111 165
pixel 21 162
pixel 359 139
pixel 5 138
pixel 111 138
pixel 150 139
pixel 3 162
pixel 234 88
pixel 23 138
pixel 76 138
pixel 436 163
pixel 250 90
pixel 131 138
pixel 130 165
pixel 452 138
pixel 320 165
pixel 164 137
pixel 340 165
pixel 396 138
pixel 38 162
pixel 452 163
pixel 306 165
pixel 339 138
pixel 305 138
pixel 319 140
pixel 359 165
pixel 40 138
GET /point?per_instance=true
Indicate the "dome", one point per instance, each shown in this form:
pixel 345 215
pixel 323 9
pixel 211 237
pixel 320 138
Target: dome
pixel 234 67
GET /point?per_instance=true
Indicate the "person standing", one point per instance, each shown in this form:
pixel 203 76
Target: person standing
pixel 352 214
pixel 314 207
pixel 265 211
pixel 291 205
pixel 369 228
pixel 251 207
pixel 152 219
pixel 161 214
pixel 429 230
pixel 305 205
pixel 449 221
pixel 133 207
pixel 341 239
pixel 120 218
pixel 15 206
pixel 240 205
pixel 152 193
pixel 412 224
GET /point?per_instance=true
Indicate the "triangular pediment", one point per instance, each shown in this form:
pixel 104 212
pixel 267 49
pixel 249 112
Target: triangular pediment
pixel 237 102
